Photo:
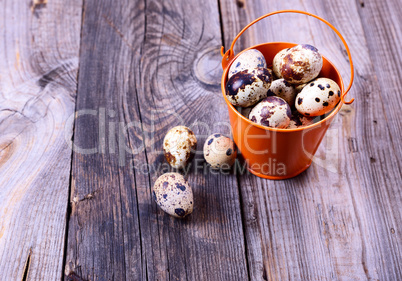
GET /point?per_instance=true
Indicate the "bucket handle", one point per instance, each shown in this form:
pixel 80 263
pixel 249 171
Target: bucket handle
pixel 229 55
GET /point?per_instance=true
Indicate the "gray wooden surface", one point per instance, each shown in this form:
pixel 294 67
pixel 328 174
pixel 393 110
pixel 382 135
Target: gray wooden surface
pixel 111 78
pixel 39 59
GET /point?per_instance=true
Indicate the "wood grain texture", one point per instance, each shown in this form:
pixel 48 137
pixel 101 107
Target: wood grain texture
pixel 146 67
pixel 179 78
pixel 104 232
pixel 38 66
pixel 338 220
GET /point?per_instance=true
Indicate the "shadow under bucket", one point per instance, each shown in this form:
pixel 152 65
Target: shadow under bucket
pixel 279 153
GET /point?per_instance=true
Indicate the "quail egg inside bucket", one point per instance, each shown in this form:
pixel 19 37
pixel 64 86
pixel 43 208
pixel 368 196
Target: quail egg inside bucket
pixel 319 97
pixel 248 87
pixel 277 61
pixel 247 60
pixel 283 89
pixel 300 64
pixel 272 112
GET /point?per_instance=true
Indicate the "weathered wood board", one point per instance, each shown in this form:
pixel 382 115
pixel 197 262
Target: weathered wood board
pixel 340 219
pixel 143 67
pixel 39 50
pixel 147 67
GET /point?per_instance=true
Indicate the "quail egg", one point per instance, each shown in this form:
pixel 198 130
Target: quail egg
pixel 178 146
pixel 219 151
pixel 173 195
pixel 283 89
pixel 247 87
pixel 276 62
pixel 272 112
pixel 301 64
pixel 248 60
pixel 319 97
pixel 298 120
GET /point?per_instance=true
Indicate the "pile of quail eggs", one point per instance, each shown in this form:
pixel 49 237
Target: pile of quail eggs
pixel 289 96
pixel 171 191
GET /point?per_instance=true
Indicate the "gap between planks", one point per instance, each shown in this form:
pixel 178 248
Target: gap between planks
pixel 69 207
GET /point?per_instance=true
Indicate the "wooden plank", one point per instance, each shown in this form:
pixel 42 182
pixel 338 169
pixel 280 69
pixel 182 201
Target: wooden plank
pixel 180 81
pixel 154 65
pixel 38 67
pixel 382 28
pixel 339 219
pixel 104 232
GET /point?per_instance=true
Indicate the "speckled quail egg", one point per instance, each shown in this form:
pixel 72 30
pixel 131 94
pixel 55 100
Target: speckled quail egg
pixel 248 60
pixel 276 62
pixel 219 151
pixel 178 146
pixel 272 112
pixel 319 97
pixel 301 64
pixel 283 89
pixel 298 120
pixel 248 87
pixel 173 195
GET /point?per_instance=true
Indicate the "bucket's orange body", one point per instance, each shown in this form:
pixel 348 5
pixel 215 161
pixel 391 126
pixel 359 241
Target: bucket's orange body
pixel 278 153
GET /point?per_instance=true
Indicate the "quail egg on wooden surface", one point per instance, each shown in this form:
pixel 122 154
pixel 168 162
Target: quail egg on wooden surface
pixel 173 195
pixel 219 151
pixel 272 112
pixel 298 120
pixel 319 97
pixel 249 59
pixel 301 64
pixel 249 86
pixel 283 89
pixel 178 146
pixel 276 62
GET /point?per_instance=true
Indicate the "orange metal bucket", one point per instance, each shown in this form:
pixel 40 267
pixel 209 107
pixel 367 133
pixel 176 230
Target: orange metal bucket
pixel 280 153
